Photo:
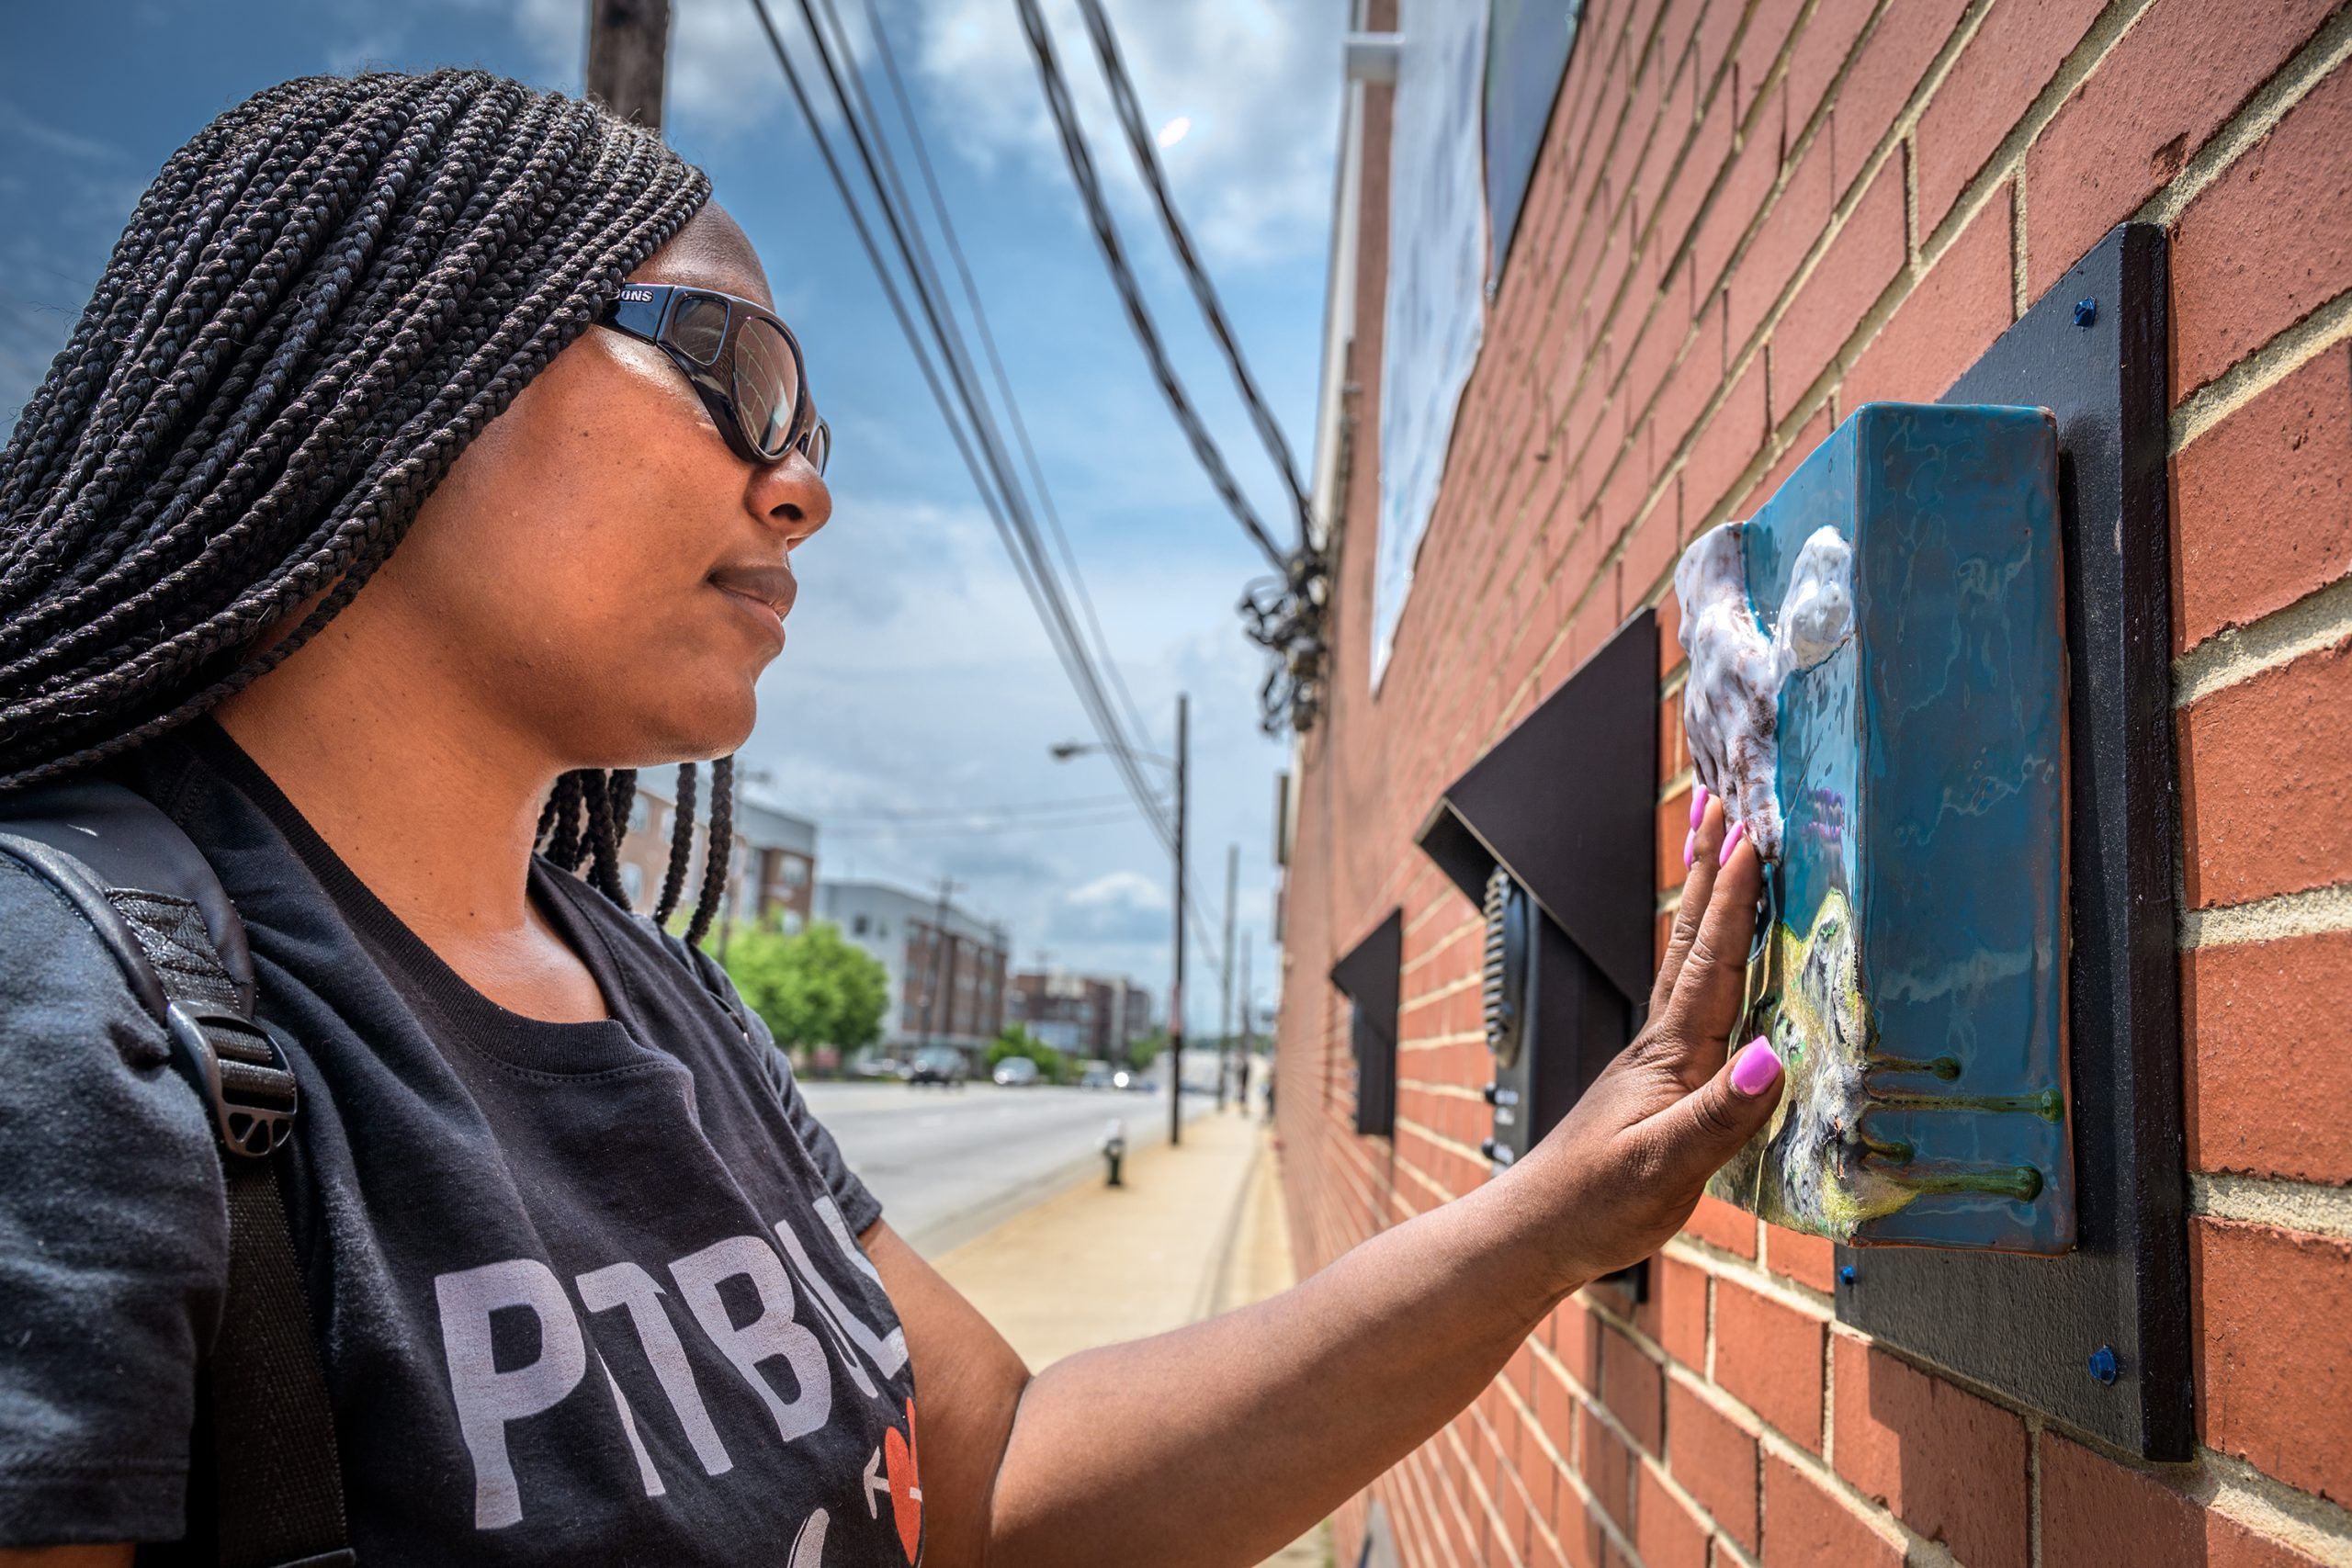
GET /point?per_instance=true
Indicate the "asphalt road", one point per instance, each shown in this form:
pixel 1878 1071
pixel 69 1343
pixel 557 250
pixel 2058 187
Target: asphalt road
pixel 948 1164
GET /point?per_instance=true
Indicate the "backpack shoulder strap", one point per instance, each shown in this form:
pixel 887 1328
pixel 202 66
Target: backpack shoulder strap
pixel 276 1501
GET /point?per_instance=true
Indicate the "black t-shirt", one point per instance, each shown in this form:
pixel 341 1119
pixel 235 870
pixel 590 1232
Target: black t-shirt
pixel 587 1292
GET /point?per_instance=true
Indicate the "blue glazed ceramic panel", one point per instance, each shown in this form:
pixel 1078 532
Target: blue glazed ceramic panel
pixel 1878 689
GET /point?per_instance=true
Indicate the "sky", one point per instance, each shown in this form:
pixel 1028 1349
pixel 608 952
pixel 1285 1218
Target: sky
pixel 917 678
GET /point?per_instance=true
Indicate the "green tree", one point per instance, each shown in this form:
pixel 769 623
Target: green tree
pixel 811 988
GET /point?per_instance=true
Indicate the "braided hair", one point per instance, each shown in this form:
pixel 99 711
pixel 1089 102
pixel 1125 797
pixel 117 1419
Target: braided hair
pixel 323 297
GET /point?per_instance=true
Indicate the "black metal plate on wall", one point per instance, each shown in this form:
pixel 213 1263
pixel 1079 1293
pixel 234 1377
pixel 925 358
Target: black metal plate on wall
pixel 1368 978
pixel 1568 803
pixel 2033 1328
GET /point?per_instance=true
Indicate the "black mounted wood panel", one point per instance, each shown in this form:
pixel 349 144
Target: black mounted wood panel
pixel 1367 976
pixel 2098 1340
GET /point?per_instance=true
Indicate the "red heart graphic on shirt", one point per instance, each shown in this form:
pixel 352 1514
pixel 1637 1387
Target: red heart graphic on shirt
pixel 906 1484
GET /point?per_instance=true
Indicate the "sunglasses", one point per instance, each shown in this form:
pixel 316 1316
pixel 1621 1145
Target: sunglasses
pixel 743 363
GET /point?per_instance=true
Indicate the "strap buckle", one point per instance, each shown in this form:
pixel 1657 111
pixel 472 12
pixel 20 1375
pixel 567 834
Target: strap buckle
pixel 242 1073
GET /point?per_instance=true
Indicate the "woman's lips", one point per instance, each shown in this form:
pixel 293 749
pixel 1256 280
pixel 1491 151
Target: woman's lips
pixel 764 592
pixel 771 584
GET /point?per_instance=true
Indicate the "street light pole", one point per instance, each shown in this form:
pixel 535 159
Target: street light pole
pixel 1225 977
pixel 1176 990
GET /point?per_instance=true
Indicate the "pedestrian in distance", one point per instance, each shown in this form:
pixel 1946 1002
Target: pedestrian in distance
pixel 429 457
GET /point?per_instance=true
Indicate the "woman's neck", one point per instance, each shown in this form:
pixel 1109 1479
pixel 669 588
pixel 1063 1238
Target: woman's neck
pixel 430 801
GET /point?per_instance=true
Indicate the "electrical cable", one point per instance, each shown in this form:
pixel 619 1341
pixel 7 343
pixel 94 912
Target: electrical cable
pixel 1285 615
pixel 1106 234
pixel 988 344
pixel 1179 239
pixel 1072 661
pixel 874 156
pixel 1003 500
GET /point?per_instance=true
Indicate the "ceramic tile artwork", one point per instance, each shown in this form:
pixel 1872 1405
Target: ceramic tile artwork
pixel 1878 689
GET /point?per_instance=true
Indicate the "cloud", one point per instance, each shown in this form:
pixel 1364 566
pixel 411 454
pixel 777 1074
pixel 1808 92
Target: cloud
pixel 1121 906
pixel 1259 79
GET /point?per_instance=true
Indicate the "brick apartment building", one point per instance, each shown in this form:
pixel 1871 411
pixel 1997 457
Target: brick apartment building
pixel 1745 219
pixel 947 974
pixel 771 878
pixel 1091 1015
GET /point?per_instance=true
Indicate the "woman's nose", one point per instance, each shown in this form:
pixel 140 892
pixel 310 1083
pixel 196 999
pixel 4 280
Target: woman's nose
pixel 791 495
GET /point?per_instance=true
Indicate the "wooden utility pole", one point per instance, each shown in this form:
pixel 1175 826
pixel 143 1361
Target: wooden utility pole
pixel 628 46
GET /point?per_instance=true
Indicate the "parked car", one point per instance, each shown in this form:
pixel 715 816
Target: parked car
pixel 1015 1072
pixel 942 1065
pixel 881 1067
pixel 1095 1075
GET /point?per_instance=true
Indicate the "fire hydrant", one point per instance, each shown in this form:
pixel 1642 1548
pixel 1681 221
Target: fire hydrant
pixel 1114 1148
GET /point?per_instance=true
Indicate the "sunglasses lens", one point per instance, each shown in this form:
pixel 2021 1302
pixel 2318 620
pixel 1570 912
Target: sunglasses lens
pixel 699 326
pixel 819 445
pixel 767 386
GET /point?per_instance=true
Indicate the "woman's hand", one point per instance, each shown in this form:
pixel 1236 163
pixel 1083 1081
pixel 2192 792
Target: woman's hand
pixel 1627 1166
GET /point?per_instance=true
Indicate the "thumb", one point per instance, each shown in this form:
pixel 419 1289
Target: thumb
pixel 1698 1132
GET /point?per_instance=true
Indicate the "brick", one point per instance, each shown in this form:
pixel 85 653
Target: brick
pixel 1744 191
pixel 2094 1511
pixel 1997 76
pixel 1865 257
pixel 1709 148
pixel 2267 1063
pixel 2265 245
pixel 1554 1410
pixel 1954 315
pixel 1806 1525
pixel 1816 431
pixel 1785 237
pixel 2274 1349
pixel 1606 1465
pixel 1894 58
pixel 1729 442
pixel 1732 1229
pixel 1768 29
pixel 1949 1464
pixel 1769 1355
pixel 1821 48
pixel 1714 1461
pixel 1576 1341
pixel 1664 1532
pixel 2185 67
pixel 1633 1388
pixel 2286 454
pixel 1808 1259
pixel 2265 782
pixel 1676 1314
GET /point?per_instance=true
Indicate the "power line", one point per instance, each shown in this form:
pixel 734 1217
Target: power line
pixel 1001 495
pixel 1180 238
pixel 988 344
pixel 1001 504
pixel 1284 614
pixel 1106 234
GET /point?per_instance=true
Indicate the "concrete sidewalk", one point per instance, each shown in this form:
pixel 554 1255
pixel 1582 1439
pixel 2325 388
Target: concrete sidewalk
pixel 1195 1231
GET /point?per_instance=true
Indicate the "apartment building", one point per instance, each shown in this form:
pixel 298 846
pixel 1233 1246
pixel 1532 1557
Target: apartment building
pixel 946 966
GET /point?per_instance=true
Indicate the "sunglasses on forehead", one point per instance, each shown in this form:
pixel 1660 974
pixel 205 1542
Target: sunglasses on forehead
pixel 743 363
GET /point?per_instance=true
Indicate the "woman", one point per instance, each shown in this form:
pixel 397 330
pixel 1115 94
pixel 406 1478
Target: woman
pixel 428 458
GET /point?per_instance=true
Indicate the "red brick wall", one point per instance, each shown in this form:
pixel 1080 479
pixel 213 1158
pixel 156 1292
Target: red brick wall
pixel 1750 216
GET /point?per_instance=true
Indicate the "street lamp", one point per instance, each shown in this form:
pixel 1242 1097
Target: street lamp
pixel 1063 752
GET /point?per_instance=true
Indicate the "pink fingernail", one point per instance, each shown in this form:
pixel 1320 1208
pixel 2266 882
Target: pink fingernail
pixel 1758 1068
pixel 1689 849
pixel 1731 842
pixel 1697 805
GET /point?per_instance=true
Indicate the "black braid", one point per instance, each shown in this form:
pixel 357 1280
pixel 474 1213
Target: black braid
pixel 681 847
pixel 718 844
pixel 323 297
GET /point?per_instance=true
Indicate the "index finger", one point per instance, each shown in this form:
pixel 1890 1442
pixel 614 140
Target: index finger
pixel 1711 984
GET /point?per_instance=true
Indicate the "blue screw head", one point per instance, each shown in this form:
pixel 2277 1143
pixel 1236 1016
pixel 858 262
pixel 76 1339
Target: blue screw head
pixel 1846 1273
pixel 2103 1364
pixel 2085 313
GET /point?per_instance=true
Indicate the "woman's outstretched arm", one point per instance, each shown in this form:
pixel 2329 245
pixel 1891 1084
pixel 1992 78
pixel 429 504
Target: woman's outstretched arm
pixel 1219 1442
